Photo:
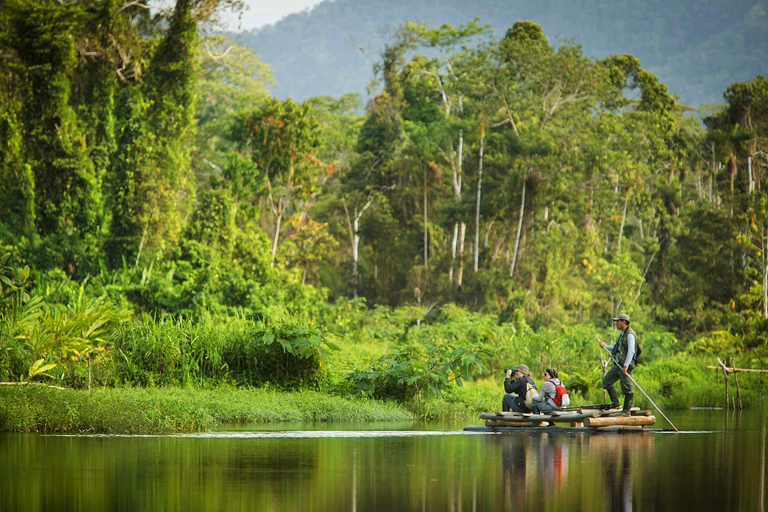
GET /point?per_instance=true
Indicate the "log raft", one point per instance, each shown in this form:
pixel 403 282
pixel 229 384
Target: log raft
pixel 584 419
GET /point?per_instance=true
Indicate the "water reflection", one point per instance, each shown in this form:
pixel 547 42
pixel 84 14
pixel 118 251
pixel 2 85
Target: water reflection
pixel 390 471
pixel 538 468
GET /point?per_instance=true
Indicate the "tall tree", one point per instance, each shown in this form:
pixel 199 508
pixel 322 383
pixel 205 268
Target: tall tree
pixel 68 202
pixel 153 184
pixel 281 139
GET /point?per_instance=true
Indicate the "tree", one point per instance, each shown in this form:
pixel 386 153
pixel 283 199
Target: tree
pixel 281 139
pixel 153 187
pixel 68 202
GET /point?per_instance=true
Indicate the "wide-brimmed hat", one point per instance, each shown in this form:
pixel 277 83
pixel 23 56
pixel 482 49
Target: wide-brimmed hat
pixel 522 369
pixel 622 316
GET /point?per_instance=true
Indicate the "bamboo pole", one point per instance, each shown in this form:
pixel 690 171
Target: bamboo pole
pixel 734 370
pixel 619 420
pixel 607 412
pixel 602 366
pixel 725 376
pixel 29 384
pixel 738 389
pixel 652 402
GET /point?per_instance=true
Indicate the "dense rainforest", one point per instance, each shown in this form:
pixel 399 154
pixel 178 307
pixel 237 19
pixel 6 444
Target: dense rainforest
pixel 697 48
pixel 165 221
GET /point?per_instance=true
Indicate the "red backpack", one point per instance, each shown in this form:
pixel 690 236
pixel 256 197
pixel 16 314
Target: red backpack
pixel 561 397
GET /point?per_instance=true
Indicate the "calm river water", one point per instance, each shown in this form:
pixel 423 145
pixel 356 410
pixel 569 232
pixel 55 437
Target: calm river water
pixel 718 463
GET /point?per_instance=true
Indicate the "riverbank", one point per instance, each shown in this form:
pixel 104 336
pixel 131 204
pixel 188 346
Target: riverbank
pixel 169 410
pixel 677 382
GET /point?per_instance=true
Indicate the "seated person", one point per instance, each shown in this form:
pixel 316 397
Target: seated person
pixel 517 384
pixel 545 401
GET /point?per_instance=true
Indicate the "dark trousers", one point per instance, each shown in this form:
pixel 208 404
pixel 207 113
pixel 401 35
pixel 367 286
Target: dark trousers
pixel 616 373
pixel 513 403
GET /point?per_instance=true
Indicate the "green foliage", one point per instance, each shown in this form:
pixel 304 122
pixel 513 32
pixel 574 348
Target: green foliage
pixel 34 329
pixel 426 362
pixel 280 350
pixel 598 195
pixel 283 351
pixel 169 410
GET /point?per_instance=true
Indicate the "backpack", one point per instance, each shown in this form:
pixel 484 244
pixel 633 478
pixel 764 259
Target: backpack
pixel 561 397
pixel 530 392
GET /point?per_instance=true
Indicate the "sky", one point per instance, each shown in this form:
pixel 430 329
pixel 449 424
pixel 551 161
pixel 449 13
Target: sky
pixel 263 12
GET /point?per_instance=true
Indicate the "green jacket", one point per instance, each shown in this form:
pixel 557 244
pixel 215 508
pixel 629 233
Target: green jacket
pixel 620 348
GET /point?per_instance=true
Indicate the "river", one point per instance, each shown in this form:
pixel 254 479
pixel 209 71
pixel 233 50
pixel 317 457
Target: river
pixel 718 462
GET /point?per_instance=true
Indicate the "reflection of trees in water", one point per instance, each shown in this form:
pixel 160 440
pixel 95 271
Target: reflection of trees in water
pixel 534 467
pixel 619 454
pixel 537 469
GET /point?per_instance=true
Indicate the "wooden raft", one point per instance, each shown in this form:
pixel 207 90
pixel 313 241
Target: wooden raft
pixel 592 419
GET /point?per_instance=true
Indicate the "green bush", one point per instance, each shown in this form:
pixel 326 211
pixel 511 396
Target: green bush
pixel 281 350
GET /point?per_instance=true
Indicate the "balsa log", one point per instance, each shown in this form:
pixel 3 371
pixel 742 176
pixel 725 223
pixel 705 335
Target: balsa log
pixel 506 416
pixel 604 421
pixel 619 428
pixel 501 416
pixel 569 418
pixel 500 423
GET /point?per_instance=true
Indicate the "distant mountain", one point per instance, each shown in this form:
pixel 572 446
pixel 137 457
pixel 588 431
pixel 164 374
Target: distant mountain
pixel 697 47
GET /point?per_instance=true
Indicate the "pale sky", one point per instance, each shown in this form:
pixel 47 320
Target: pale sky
pixel 263 12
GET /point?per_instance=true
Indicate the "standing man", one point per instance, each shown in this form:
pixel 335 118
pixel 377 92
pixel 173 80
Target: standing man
pixel 623 356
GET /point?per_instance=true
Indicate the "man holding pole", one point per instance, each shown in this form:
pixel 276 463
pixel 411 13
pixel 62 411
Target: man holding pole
pixel 623 356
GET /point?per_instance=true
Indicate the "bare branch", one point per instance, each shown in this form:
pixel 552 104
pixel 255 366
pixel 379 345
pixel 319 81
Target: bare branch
pixel 135 3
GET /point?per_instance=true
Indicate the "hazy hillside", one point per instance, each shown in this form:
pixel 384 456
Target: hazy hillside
pixel 698 47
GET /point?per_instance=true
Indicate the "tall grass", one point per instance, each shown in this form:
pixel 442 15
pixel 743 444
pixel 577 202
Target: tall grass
pixel 167 410
pixel 281 350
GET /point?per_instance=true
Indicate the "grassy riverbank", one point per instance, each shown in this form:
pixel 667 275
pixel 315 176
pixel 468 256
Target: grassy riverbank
pixel 167 410
pixel 677 382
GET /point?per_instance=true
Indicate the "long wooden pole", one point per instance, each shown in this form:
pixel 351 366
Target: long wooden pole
pixel 602 366
pixel 649 398
pixel 738 389
pixel 734 370
pixel 725 375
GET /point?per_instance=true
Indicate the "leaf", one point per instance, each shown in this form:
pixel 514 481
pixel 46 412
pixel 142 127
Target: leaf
pixel 38 368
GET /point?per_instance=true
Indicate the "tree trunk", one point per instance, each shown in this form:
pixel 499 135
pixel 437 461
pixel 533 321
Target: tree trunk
pixel 460 274
pixel 765 274
pixel 353 226
pixel 519 231
pixel 141 245
pixel 623 220
pixel 477 206
pixel 355 251
pixel 456 167
pixel 453 249
pixel 278 222
pixel 426 225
